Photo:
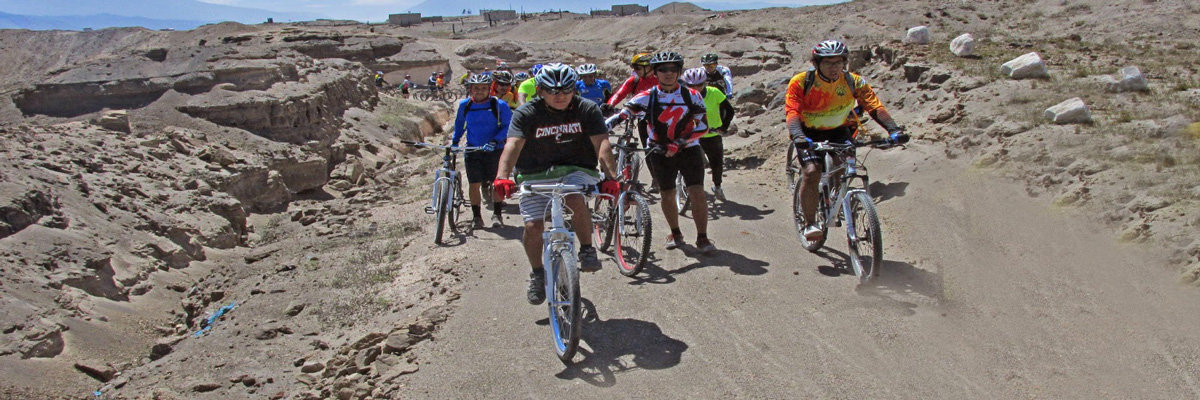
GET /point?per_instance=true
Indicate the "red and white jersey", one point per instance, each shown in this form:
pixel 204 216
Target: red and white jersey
pixel 672 110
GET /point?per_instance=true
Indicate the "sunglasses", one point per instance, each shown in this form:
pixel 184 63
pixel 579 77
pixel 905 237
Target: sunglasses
pixel 558 91
pixel 668 69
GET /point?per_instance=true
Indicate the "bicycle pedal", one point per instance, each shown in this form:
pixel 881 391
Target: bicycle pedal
pixel 429 210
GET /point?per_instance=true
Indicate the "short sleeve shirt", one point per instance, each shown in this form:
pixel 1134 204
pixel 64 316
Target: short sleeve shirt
pixel 557 138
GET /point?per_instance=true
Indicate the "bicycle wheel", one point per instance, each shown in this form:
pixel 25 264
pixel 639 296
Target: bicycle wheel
pixel 863 236
pixel 563 294
pixel 681 195
pixel 442 204
pixel 798 218
pixel 632 241
pixel 603 216
pixel 456 204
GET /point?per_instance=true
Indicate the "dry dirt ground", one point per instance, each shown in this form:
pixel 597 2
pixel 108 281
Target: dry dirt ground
pixel 251 227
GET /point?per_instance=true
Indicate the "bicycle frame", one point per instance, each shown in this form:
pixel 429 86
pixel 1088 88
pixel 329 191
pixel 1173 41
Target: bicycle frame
pixel 850 172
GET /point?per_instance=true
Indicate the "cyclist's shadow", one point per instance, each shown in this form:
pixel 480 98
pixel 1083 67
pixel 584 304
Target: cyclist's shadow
pixel 898 282
pixel 885 191
pixel 729 208
pixel 617 345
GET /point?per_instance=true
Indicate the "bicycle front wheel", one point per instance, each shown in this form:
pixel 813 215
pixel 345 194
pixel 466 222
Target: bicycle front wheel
pixel 632 238
pixel 863 236
pixel 681 195
pixel 563 294
pixel 792 167
pixel 603 216
pixel 442 204
pixel 456 204
pixel 798 219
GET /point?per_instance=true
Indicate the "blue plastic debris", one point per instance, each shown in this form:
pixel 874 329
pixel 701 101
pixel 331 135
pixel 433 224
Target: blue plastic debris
pixel 207 323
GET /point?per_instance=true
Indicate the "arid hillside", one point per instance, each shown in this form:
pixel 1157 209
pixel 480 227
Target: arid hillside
pixel 228 212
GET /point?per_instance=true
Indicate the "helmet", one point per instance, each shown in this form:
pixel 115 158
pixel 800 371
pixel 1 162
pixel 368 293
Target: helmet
pixel 695 76
pixel 480 79
pixel 534 69
pixel 666 57
pixel 521 76
pixel 502 77
pixel 710 58
pixel 379 72
pixel 406 76
pixel 556 76
pixel 586 69
pixel 829 48
pixel 642 59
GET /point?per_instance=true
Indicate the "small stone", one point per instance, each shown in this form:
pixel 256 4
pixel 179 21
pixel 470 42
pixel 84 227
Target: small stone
pixel 96 369
pixel 206 387
pixel 312 366
pixel 917 35
pixel 963 45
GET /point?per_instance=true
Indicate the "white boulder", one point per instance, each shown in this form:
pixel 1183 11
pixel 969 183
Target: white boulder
pixel 1131 80
pixel 917 35
pixel 1025 67
pixel 963 45
pixel 1072 111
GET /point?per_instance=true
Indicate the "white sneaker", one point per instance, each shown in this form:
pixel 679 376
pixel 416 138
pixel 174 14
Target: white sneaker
pixel 813 233
pixel 718 193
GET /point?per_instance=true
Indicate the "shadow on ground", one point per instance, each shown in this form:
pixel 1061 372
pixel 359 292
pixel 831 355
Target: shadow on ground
pixel 618 345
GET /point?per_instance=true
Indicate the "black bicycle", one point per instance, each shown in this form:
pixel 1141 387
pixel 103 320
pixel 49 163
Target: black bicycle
pixel 623 224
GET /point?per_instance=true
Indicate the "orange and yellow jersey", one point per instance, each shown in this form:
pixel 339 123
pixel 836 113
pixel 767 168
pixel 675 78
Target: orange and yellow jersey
pixel 828 105
pixel 509 97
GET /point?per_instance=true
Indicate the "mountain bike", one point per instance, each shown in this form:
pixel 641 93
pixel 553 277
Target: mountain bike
pixel 446 200
pixel 840 201
pixel 623 224
pixel 561 263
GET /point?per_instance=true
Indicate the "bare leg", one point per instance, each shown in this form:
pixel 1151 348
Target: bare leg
pixel 670 209
pixel 699 207
pixel 581 219
pixel 532 239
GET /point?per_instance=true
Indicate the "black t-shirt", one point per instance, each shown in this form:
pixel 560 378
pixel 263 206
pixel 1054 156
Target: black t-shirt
pixel 555 138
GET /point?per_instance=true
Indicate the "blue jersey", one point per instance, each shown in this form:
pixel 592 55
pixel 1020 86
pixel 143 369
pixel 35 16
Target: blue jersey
pixel 479 122
pixel 595 92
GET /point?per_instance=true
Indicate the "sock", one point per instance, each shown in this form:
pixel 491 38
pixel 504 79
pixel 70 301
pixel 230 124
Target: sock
pixel 475 211
pixel 498 207
pixel 676 233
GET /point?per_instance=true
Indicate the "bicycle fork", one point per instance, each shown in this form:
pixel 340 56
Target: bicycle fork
pixel 436 200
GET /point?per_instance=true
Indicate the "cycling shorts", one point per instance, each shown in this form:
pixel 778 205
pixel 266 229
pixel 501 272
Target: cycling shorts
pixel 837 135
pixel 482 166
pixel 688 162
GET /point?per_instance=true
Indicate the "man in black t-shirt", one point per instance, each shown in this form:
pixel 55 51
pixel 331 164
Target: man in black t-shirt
pixel 556 137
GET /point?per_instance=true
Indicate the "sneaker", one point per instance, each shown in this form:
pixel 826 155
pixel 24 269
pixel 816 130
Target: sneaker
pixel 673 243
pixel 537 288
pixel 718 193
pixel 497 221
pixel 588 261
pixel 812 232
pixel 706 247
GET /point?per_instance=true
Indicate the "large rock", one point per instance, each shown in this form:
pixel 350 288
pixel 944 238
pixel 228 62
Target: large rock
pixel 917 35
pixel 114 121
pixel 1026 66
pixel 1072 111
pixel 1131 80
pixel 963 45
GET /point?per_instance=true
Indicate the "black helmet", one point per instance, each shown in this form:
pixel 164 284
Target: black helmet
pixel 829 48
pixel 556 76
pixel 666 57
pixel 710 58
pixel 502 77
pixel 480 79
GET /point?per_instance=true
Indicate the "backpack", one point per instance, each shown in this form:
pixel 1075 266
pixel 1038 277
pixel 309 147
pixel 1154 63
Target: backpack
pixel 653 109
pixel 494 105
pixel 811 77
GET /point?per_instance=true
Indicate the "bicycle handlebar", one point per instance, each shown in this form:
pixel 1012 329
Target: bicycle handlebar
pixel 838 147
pixel 547 189
pixel 442 146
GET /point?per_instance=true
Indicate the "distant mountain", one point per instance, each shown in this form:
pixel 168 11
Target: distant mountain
pixel 175 10
pixel 456 7
pixel 79 22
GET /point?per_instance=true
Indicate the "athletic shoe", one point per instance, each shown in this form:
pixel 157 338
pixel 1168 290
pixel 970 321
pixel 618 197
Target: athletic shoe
pixel 718 193
pixel 537 288
pixel 497 221
pixel 813 233
pixel 588 262
pixel 706 247
pixel 673 242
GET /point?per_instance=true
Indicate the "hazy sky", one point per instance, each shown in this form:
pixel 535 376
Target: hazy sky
pixel 372 10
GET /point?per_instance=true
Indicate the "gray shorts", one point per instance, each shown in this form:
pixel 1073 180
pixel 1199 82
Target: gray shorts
pixel 533 206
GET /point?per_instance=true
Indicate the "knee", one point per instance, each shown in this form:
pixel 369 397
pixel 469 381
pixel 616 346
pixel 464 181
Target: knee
pixel 811 172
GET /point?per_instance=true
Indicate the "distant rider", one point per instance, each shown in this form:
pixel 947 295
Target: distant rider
pixel 719 76
pixel 502 88
pixel 820 107
pixel 527 88
pixel 485 120
pixel 720 114
pixel 596 90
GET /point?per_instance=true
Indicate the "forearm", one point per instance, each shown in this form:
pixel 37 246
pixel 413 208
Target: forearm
pixel 795 128
pixel 726 114
pixel 881 116
pixel 508 158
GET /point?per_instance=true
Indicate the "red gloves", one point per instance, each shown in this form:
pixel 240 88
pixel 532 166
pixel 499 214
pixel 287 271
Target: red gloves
pixel 676 146
pixel 504 188
pixel 610 187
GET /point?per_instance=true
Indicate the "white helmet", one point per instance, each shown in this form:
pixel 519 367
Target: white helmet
pixel 695 76
pixel 586 69
pixel 556 76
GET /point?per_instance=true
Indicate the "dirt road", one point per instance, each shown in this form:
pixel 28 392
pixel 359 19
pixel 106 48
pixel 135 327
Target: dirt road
pixel 985 293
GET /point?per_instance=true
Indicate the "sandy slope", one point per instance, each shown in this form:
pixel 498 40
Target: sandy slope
pixel 985 293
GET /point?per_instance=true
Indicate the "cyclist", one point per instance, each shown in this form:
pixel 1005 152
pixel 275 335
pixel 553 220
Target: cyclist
pixel 640 80
pixel 720 114
pixel 433 81
pixel 719 76
pixel 676 118
pixel 462 80
pixel 502 88
pixel 528 87
pixel 407 85
pixel 379 81
pixel 556 137
pixel 441 80
pixel 484 119
pixel 820 106
pixel 596 90
pixel 503 67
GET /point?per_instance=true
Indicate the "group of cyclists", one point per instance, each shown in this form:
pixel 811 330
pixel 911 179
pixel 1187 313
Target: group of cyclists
pixel 552 125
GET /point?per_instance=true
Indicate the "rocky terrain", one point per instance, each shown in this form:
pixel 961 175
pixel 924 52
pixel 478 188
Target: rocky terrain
pixel 228 212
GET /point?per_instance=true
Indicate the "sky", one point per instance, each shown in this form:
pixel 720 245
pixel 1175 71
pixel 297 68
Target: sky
pixel 372 10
